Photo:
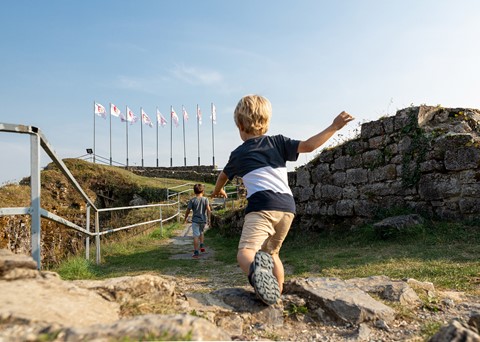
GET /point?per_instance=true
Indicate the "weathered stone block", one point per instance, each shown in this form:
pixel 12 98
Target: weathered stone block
pixel 321 173
pixel 364 208
pixel 350 192
pixel 434 187
pixel 339 178
pixel 389 124
pixel 304 194
pixel 372 159
pixel 339 163
pixel 326 156
pixel 387 172
pixel 356 176
pixel 331 192
pixel 344 208
pixel 469 205
pixel 371 129
pixel 462 158
pixel 303 177
pixel 376 142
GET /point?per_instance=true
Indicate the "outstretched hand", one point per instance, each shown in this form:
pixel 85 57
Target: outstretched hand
pixel 220 193
pixel 341 120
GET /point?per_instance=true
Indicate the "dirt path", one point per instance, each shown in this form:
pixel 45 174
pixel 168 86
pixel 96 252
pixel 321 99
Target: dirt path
pixel 210 274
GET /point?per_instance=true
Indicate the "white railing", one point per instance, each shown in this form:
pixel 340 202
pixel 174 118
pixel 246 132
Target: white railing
pixel 37 141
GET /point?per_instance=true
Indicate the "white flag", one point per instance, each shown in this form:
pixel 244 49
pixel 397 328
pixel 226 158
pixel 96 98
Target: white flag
pixel 185 114
pixel 100 110
pixel 199 115
pixel 161 121
pixel 114 110
pixel 145 119
pixel 214 114
pixel 174 116
pixel 131 117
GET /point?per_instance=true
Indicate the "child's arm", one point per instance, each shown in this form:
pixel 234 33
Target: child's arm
pixel 187 212
pixel 319 139
pixel 221 181
pixel 209 214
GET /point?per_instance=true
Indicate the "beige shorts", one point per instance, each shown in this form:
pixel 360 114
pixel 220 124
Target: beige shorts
pixel 265 230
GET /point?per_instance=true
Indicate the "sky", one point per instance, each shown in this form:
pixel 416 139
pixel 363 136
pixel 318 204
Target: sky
pixel 311 58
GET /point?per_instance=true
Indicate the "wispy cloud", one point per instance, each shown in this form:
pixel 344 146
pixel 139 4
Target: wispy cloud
pixel 196 76
pixel 145 85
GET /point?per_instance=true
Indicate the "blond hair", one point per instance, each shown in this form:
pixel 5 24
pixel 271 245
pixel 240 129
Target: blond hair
pixel 252 114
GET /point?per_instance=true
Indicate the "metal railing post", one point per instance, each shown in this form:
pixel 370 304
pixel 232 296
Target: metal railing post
pixel 178 210
pixel 35 198
pixel 87 239
pixel 97 238
pixel 161 221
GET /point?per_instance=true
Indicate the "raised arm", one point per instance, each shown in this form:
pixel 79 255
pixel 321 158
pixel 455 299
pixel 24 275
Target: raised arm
pixel 319 139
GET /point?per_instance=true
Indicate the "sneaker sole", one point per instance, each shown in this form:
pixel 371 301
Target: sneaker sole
pixel 265 283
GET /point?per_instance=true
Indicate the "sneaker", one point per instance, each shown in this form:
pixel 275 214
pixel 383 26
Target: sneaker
pixel 202 249
pixel 264 282
pixel 195 255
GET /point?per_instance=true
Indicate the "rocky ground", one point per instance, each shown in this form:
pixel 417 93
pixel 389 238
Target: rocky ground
pixel 38 306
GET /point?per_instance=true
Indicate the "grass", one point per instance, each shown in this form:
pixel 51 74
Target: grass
pixel 445 254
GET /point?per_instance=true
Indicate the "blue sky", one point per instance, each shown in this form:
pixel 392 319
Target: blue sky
pixel 312 59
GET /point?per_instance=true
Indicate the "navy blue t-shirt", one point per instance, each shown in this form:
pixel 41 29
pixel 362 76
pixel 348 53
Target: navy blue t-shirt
pixel 262 164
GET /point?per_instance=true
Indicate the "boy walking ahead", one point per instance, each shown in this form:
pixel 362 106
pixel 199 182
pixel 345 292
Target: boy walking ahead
pixel 261 162
pixel 200 207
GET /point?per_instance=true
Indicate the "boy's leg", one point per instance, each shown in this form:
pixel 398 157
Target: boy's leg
pixel 278 271
pixel 245 258
pixel 259 265
pixel 196 238
pixel 282 222
pixel 202 238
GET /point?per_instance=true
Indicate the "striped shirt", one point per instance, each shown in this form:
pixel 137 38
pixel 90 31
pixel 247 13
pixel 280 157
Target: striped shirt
pixel 261 163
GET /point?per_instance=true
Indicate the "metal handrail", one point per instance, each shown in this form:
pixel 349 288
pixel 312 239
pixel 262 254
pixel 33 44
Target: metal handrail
pixel 37 140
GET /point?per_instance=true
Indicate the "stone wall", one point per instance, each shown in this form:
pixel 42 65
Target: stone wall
pixel 202 173
pixel 423 159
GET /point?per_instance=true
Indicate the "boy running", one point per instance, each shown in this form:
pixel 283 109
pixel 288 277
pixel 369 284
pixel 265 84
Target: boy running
pixel 261 162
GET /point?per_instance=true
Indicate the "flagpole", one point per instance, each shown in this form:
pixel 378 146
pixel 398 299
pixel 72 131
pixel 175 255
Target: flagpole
pixel 94 150
pixel 184 149
pixel 213 140
pixel 126 128
pixel 141 130
pixel 198 135
pixel 156 113
pixel 110 135
pixel 171 135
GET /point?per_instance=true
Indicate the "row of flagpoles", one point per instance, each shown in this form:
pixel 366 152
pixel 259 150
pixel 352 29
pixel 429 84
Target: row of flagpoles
pixel 130 117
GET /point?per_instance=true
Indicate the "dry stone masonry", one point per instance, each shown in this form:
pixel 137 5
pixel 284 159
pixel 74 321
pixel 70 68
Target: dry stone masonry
pixel 425 159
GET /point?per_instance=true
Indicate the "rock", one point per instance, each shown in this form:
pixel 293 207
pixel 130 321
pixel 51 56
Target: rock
pixel 150 327
pixel 455 332
pixel 137 200
pixel 339 300
pixel 387 289
pixel 245 301
pixel 425 286
pixel 142 294
pixel 363 332
pixel 51 300
pixel 16 266
pixel 474 322
pixel 391 226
